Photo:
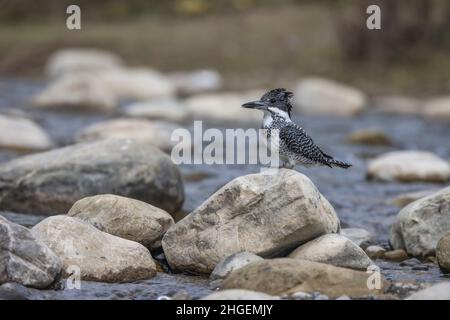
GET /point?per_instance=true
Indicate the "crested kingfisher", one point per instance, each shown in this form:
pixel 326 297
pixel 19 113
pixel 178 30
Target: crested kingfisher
pixel 295 145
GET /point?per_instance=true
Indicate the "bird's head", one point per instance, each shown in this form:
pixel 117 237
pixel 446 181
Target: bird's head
pixel 273 101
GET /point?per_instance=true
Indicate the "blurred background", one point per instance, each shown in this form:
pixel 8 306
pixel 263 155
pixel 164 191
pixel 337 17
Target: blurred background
pixel 252 43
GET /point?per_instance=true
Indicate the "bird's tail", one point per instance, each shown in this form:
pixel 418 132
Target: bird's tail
pixel 340 164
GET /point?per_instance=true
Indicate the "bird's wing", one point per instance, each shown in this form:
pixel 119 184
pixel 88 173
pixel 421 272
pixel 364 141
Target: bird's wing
pixel 299 142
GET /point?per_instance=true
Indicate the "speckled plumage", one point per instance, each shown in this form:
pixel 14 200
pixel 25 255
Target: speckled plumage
pixel 295 145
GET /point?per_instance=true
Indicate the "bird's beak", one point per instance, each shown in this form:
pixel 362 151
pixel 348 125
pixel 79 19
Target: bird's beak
pixel 255 105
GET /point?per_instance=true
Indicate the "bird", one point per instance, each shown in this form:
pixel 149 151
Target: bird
pixel 295 146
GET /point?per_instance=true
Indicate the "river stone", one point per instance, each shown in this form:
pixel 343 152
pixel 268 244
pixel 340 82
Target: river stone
pixel 438 109
pixel 156 133
pixel 226 106
pixel 440 291
pixel 239 294
pixel 124 217
pixel 267 214
pixel 24 259
pixel 162 109
pixel 398 105
pixel 72 60
pixel 370 136
pixel 397 255
pixel 318 96
pixel 375 252
pixel 77 91
pixel 51 182
pixel 360 236
pixel 333 249
pixel 17 133
pixel 98 255
pixel 233 262
pixel 287 276
pixel 196 81
pixel 409 166
pixel 404 199
pixel 420 225
pixel 443 252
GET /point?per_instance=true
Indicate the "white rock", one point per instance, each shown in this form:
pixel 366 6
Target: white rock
pixel 22 134
pixel 239 294
pixel 409 166
pixel 333 249
pixel 398 105
pixel 240 217
pixel 318 96
pixel 124 217
pixel 419 226
pixel 71 60
pixel 98 256
pixel 224 106
pixel 233 262
pixel 359 236
pixel 166 109
pixel 440 291
pixel 196 81
pixel 156 133
pixel 438 108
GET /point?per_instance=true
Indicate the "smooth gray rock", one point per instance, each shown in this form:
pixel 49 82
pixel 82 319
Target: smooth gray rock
pixel 51 182
pixel 443 252
pixel 233 262
pixel 24 259
pixel 360 236
pixel 440 291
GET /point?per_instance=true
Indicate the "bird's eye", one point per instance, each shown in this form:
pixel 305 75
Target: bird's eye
pixel 273 100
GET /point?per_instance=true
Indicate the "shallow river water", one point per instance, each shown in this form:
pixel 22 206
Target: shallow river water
pixel 357 201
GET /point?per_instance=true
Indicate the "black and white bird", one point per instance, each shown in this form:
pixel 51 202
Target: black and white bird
pixel 295 145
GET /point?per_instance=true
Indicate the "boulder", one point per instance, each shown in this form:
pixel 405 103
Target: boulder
pixel 233 262
pixel 156 133
pixel 24 259
pixel 266 214
pixel 443 252
pixel 124 217
pixel 438 109
pixel 239 294
pixel 409 166
pixel 370 136
pixel 50 182
pixel 360 236
pixel 316 96
pixel 72 60
pixel 223 106
pixel 166 109
pixel 397 255
pixel 398 105
pixel 375 252
pixel 419 226
pixel 287 276
pixel 22 134
pixel 333 249
pixel 440 291
pixel 197 81
pixel 98 256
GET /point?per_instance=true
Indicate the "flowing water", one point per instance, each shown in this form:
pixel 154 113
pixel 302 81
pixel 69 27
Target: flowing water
pixel 357 201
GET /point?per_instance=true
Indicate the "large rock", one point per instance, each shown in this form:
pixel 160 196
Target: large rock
pixel 398 105
pixel 333 249
pixel 163 109
pixel 266 214
pixel 78 59
pixel 124 217
pixel 77 91
pixel 24 259
pixel 443 252
pixel 409 166
pixel 99 256
pixel 22 134
pixel 440 291
pixel 156 133
pixel 239 294
pixel 285 276
pixel 197 81
pixel 223 106
pixel 360 236
pixel 317 96
pixel 233 262
pixel 438 109
pixel 420 225
pixel 370 136
pixel 50 182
